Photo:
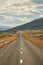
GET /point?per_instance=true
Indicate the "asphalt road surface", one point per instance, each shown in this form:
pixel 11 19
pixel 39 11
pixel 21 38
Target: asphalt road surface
pixel 21 52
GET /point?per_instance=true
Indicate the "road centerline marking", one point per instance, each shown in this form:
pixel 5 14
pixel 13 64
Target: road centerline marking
pixel 21 48
pixel 21 61
pixel 21 52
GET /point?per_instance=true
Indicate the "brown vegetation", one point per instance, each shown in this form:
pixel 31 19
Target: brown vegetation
pixel 9 38
pixel 34 36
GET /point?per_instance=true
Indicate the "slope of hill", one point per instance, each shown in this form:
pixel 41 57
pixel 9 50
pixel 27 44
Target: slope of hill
pixel 35 24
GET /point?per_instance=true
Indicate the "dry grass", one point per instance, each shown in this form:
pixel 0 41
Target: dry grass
pixel 3 35
pixel 35 36
pixel 8 39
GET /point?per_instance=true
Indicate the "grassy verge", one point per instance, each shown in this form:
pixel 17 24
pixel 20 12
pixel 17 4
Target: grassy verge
pixel 35 36
pixel 8 39
pixel 2 35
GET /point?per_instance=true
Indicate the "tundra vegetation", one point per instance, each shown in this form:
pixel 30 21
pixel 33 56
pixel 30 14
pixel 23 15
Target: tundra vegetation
pixel 35 36
pixel 6 38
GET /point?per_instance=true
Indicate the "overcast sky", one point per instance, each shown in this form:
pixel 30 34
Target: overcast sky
pixel 17 12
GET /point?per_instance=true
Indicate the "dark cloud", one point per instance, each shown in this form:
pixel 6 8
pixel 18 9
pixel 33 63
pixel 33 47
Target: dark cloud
pixel 38 1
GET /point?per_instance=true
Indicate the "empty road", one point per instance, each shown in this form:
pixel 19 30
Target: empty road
pixel 21 52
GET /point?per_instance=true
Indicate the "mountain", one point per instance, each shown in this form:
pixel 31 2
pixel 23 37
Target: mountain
pixel 34 24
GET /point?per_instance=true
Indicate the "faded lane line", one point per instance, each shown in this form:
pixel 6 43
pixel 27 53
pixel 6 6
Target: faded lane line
pixel 21 48
pixel 21 61
pixel 21 52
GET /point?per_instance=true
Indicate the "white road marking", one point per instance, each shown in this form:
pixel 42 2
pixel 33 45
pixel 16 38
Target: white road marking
pixel 21 48
pixel 21 52
pixel 21 61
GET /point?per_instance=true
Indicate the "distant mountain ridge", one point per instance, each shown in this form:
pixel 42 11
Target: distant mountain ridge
pixel 34 24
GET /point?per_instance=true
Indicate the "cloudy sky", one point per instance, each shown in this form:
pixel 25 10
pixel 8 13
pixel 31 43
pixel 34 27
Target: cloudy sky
pixel 17 12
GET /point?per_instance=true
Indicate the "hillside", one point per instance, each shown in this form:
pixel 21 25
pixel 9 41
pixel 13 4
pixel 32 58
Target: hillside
pixel 35 24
